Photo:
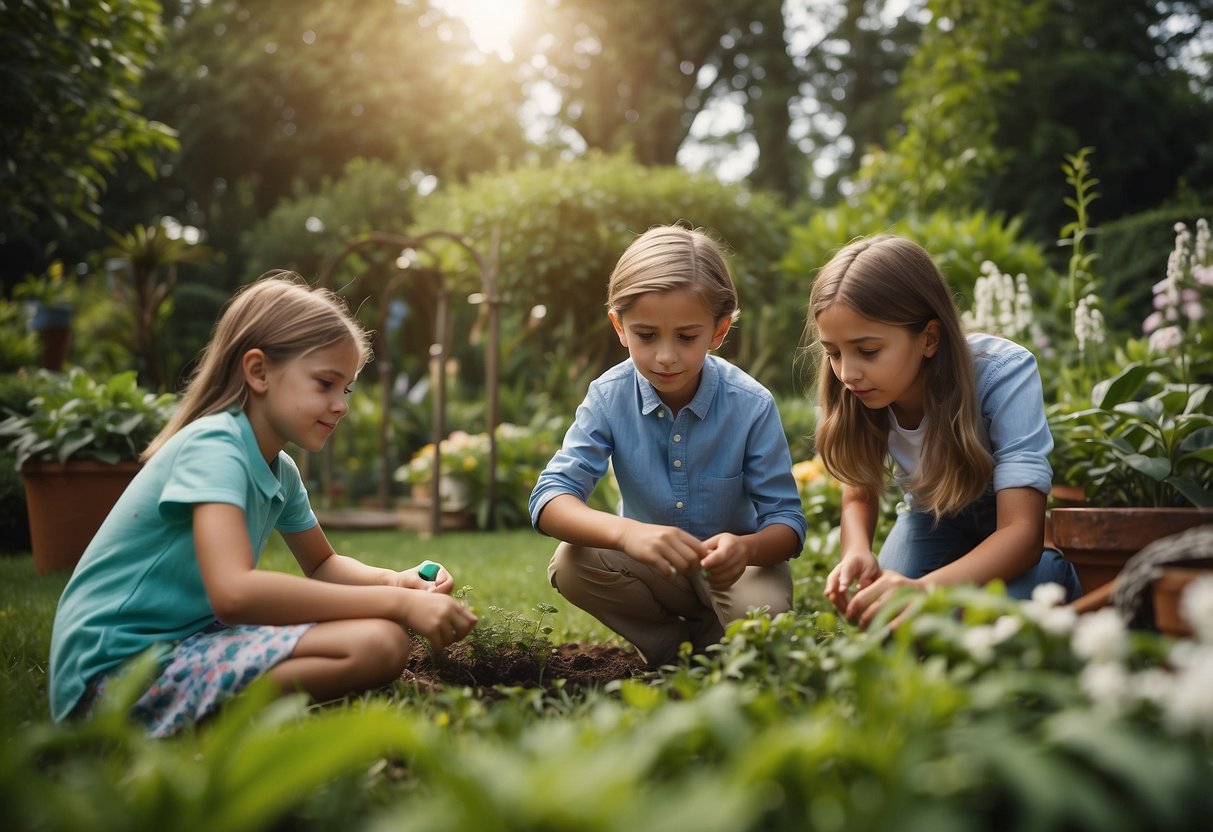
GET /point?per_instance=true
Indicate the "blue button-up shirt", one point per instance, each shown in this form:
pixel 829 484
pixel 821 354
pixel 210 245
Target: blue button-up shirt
pixel 719 465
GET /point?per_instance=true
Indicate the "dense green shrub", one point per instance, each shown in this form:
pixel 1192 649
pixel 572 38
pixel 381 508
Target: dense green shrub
pixel 975 712
pixel 562 229
pixel 959 243
pixel 16 390
pixel 18 346
pixel 305 232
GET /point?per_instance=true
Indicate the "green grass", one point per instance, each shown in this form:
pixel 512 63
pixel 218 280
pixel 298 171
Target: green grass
pixel 506 570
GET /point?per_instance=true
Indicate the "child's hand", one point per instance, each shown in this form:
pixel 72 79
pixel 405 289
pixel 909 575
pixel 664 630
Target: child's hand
pixel 667 549
pixel 726 560
pixel 441 619
pixel 858 569
pixel 868 601
pixel 409 579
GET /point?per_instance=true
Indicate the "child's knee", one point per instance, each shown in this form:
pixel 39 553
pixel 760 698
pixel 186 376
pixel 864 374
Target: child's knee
pixel 386 645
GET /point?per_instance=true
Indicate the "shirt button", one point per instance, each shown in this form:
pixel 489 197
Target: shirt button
pixel 678 437
pixel 678 504
pixel 660 413
pixel 678 463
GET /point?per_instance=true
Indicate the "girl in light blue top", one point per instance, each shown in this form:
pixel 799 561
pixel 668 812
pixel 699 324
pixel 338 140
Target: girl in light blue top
pixel 174 567
pixel 962 420
pixel 710 512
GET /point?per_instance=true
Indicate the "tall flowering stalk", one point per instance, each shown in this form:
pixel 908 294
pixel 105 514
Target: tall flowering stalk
pixel 1086 319
pixel 1180 297
pixel 1002 305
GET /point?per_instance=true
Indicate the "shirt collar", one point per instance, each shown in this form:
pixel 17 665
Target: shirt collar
pixel 266 477
pixel 709 380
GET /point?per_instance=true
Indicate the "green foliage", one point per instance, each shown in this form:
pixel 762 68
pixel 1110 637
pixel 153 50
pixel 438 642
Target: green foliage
pixel 15 393
pixel 143 287
pixel 976 712
pixel 51 288
pixel 1119 82
pixel 75 416
pixel 71 71
pixel 18 345
pixel 958 241
pixel 305 230
pixel 951 86
pixel 1074 233
pixel 563 227
pixel 1130 449
pixel 503 630
pixel 291 93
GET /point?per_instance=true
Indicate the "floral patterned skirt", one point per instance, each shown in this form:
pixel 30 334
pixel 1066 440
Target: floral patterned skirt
pixel 203 671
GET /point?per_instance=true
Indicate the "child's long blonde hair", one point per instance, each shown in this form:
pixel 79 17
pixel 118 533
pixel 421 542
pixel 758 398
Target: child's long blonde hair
pixel 278 314
pixel 669 257
pixel 893 281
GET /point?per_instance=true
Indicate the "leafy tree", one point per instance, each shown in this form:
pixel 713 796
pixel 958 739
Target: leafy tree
pixel 853 71
pixel 996 95
pixel 268 93
pixel 946 148
pixel 563 228
pixel 1121 83
pixel 636 74
pixel 69 73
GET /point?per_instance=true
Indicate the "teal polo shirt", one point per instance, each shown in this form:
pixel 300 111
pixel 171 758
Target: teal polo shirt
pixel 138 583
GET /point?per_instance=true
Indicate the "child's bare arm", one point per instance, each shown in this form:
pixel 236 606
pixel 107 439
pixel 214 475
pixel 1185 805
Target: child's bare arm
pixel 318 560
pixel 239 593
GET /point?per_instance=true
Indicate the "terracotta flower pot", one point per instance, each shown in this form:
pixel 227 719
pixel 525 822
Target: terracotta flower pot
pixel 67 504
pixel 1167 592
pixel 1099 541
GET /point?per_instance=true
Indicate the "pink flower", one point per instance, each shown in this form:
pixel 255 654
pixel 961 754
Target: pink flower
pixel 1152 323
pixel 1203 275
pixel 1166 338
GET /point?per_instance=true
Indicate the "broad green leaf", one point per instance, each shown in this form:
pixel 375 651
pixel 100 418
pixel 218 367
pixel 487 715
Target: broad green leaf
pixel 1121 387
pixel 1192 491
pixel 1154 467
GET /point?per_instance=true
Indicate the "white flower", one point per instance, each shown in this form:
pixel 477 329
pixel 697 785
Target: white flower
pixel 1006 627
pixel 1152 685
pixel 1100 636
pixel 1056 620
pixel 979 641
pixel 1049 595
pixel 1196 605
pixel 1088 323
pixel 1106 684
pixel 1188 703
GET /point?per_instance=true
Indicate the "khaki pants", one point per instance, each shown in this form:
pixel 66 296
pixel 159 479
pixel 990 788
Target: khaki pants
pixel 657 612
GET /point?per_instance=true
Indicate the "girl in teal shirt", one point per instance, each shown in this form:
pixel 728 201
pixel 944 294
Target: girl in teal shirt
pixel 173 568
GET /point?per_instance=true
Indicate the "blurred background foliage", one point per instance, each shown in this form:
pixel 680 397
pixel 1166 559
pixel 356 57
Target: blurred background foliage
pixel 189 146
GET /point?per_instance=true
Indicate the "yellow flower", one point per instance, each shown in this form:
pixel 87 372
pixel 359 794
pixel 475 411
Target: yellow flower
pixel 807 471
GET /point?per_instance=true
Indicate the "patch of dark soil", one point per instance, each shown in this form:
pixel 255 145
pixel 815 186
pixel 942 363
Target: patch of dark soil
pixel 579 665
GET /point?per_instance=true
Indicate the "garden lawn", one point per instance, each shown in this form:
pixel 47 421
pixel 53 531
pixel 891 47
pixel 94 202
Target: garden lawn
pixel 506 570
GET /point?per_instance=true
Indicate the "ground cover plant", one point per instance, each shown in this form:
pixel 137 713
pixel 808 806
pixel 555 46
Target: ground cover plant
pixel 977 713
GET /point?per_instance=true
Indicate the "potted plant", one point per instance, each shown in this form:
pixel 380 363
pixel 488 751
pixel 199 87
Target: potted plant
pixel 1145 463
pixel 77 445
pixel 50 299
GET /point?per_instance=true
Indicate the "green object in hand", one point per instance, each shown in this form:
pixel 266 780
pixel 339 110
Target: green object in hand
pixel 428 570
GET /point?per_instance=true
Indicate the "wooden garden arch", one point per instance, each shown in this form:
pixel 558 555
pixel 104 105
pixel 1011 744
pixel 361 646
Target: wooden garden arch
pixel 439 350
